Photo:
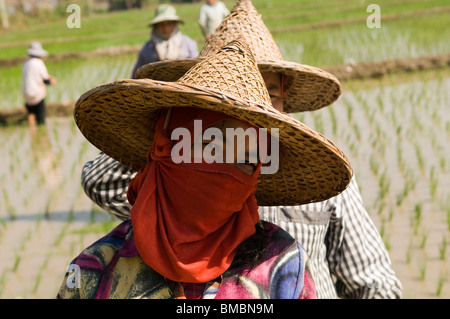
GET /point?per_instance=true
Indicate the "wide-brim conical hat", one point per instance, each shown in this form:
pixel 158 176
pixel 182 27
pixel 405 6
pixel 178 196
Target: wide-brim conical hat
pixel 307 88
pixel 119 118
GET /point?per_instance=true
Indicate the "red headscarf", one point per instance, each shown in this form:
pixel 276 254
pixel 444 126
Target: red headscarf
pixel 189 218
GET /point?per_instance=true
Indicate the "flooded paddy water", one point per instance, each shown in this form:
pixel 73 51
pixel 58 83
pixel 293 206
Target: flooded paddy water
pixel 394 132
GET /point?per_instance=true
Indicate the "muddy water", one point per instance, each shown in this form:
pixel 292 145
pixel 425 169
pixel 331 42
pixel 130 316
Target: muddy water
pixel 395 136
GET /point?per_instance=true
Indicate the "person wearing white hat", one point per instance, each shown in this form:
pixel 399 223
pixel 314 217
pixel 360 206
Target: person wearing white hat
pixel 35 77
pixel 166 40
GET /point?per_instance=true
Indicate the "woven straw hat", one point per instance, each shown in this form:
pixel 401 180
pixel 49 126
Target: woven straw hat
pixel 307 88
pixel 165 12
pixel 119 118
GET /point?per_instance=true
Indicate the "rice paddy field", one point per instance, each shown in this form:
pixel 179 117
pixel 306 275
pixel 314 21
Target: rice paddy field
pixel 395 130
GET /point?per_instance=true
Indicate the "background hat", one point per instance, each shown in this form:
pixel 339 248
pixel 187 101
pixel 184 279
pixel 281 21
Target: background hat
pixel 119 118
pixel 165 12
pixel 307 88
pixel 35 49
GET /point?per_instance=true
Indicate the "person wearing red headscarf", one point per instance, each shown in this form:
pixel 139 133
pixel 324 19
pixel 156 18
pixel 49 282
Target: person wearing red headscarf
pixel 194 230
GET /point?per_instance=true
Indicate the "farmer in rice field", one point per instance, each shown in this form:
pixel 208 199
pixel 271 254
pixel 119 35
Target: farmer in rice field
pixel 195 230
pixel 348 256
pixel 35 77
pixel 212 12
pixel 166 40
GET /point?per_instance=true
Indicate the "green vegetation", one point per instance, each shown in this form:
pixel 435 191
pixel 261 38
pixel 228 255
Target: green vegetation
pixel 295 25
pixel 394 129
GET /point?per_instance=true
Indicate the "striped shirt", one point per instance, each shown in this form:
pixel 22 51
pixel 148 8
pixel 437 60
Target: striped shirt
pixel 348 257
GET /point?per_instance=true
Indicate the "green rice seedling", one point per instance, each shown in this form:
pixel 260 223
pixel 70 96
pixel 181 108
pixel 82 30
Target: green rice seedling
pixel 333 120
pixel 440 285
pixel 443 249
pixel 419 156
pixel 17 260
pixel 399 198
pixel 391 214
pixel 417 217
pixel 2 226
pixel 381 205
pixel 443 163
pixel 353 147
pixel 423 270
pixel 408 254
pixel 2 281
pixel 384 185
pixel 47 209
pixel 448 218
pixel 74 168
pixel 373 142
pixel 39 275
pixel 382 228
pixel 411 180
pixel 18 185
pixel 433 184
pixel 387 243
pixel 423 241
pixel 400 161
pixel 92 214
pixel 318 122
pixel 349 113
pixel 84 148
pixel 61 234
pixel 356 131
pixel 71 214
pixel 379 100
pixel 25 176
pixel 398 131
pixel 12 213
pixel 12 167
pixel 418 213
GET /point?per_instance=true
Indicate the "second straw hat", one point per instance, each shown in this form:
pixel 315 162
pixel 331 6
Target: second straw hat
pixel 307 88
pixel 119 118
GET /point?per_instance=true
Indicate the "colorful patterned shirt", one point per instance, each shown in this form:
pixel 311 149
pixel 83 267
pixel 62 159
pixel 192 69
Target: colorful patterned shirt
pixel 112 268
pixel 348 257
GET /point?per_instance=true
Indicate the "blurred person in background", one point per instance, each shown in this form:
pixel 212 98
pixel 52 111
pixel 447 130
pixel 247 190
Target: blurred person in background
pixel 166 40
pixel 35 77
pixel 211 15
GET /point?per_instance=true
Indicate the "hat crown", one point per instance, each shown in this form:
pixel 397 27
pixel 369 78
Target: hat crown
pixel 246 23
pixel 36 45
pixel 165 10
pixel 233 71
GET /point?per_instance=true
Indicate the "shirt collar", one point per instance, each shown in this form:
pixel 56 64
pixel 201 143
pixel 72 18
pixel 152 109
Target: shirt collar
pixel 129 248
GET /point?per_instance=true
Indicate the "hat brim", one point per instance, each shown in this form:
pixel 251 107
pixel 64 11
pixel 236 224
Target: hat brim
pixel 119 118
pixel 166 18
pixel 309 88
pixel 38 53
